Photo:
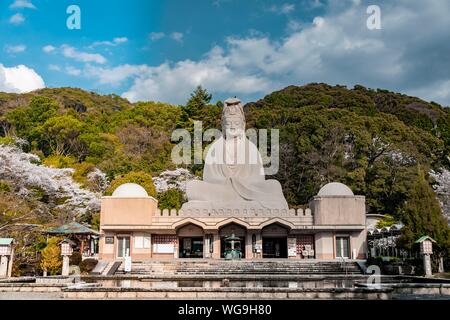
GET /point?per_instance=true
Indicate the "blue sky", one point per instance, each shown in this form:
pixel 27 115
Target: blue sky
pixel 161 50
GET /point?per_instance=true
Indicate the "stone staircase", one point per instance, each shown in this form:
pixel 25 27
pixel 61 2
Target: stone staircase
pixel 250 267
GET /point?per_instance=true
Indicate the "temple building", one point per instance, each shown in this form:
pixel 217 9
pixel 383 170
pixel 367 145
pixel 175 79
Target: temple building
pixel 334 226
pixel 233 213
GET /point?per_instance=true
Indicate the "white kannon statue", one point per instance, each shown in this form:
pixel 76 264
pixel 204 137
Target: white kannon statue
pixel 233 175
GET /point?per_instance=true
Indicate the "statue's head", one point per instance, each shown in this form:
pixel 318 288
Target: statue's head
pixel 233 118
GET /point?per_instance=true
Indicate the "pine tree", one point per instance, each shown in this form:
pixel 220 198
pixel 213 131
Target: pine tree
pixel 422 215
pixel 199 99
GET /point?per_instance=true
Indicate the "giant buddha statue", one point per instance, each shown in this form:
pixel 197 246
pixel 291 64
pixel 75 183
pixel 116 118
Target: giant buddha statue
pixel 233 175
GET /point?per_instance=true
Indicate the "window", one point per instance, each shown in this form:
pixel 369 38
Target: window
pixel 342 247
pixel 123 247
pixel 142 242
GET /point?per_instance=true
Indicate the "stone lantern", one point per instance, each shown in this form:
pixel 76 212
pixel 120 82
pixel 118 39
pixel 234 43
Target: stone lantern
pixel 6 257
pixel 66 252
pixel 426 250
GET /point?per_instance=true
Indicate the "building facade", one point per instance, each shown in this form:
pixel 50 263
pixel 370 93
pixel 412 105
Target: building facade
pixel 333 227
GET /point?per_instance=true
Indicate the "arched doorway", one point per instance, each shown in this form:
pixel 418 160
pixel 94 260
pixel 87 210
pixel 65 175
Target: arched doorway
pixel 229 230
pixel 274 241
pixel 190 239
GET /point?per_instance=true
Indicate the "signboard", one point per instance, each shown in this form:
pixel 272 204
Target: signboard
pixel 109 240
pixel 163 248
pixel 292 247
pixel 127 267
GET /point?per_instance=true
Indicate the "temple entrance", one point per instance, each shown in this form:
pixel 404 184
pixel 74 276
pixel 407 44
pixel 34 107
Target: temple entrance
pixel 236 231
pixel 190 239
pixel 275 248
pixel 274 241
pixel 191 248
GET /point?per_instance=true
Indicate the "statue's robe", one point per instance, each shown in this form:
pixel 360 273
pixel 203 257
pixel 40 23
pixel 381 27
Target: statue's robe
pixel 233 177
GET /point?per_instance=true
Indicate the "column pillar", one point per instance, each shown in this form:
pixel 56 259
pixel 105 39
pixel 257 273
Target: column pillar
pixel 427 265
pixel 65 266
pixel 176 249
pixel 248 245
pixel 10 263
pixel 206 243
pixel 216 245
pixel 259 243
pixel 3 266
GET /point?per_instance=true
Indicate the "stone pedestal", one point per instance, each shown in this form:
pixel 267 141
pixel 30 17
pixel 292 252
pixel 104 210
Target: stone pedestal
pixel 65 265
pixel 4 266
pixel 427 265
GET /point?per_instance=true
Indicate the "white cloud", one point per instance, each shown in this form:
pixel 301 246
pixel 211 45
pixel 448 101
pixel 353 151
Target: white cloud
pixel 336 48
pixel 71 52
pixel 218 3
pixel 15 49
pixel 294 25
pixel 22 4
pixel 174 83
pixel 120 40
pixel 156 35
pixel 116 76
pixel 436 91
pixel 17 19
pixel 285 8
pixel 19 79
pixel 73 71
pixel 177 36
pixel 48 48
pixel 54 67
pixel 113 43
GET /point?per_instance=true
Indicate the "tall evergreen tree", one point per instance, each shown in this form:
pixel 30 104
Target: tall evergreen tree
pixel 422 215
pixel 199 99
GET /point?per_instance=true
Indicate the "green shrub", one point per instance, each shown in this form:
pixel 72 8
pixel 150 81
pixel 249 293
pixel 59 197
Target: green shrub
pixel 7 141
pixel 75 259
pixel 88 265
pixel 170 199
pixel 4 186
pixel 386 221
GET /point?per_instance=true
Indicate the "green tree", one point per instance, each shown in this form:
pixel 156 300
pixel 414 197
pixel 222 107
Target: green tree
pixel 51 260
pixel 199 99
pixel 386 221
pixel 170 199
pixel 422 215
pixel 198 108
pixel 61 134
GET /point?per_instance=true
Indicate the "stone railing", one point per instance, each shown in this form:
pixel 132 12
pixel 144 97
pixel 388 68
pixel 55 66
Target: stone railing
pixel 230 212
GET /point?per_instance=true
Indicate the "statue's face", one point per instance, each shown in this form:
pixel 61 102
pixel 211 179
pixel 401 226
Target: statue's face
pixel 234 126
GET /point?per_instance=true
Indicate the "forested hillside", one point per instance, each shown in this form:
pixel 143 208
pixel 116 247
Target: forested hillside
pixel 61 149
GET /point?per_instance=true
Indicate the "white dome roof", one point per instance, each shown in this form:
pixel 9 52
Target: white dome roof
pixel 130 190
pixel 335 189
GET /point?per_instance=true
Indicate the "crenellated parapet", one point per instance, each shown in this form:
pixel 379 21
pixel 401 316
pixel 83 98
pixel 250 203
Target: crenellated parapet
pixel 234 212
